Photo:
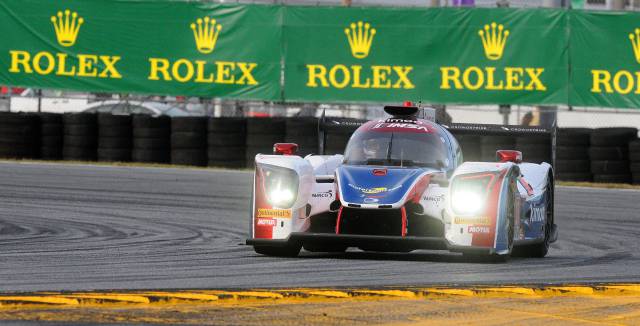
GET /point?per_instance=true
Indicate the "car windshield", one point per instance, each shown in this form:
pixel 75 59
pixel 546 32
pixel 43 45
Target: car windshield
pixel 396 147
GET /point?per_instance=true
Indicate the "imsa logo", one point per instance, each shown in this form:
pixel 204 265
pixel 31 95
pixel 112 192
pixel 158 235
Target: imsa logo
pixel 494 39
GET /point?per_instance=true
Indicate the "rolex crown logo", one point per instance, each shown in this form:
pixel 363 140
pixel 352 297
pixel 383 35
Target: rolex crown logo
pixel 360 36
pixel 494 38
pixel 635 43
pixel 206 32
pixel 67 26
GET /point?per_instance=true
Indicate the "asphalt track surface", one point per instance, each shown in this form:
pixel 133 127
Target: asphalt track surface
pixel 77 227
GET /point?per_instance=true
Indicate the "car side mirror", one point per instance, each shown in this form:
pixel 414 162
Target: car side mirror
pixel 509 156
pixel 285 148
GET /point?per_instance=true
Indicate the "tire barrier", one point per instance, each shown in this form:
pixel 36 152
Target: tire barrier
pixel 189 141
pixel 80 140
pixel 19 135
pixel 151 139
pixel 227 142
pixel 262 133
pixel 572 155
pixel 535 149
pixel 337 134
pixel 609 154
pixel 114 138
pixel 304 132
pixel 471 149
pixel 582 154
pixel 51 136
pixel 634 159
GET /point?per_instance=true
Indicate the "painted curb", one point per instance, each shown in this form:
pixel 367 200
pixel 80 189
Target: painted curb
pixel 301 295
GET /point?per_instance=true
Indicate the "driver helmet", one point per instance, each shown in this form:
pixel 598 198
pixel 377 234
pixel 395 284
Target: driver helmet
pixel 372 147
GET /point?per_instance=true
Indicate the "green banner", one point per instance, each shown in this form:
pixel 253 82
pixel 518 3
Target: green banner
pixel 157 47
pixel 323 54
pixel 605 59
pixel 444 55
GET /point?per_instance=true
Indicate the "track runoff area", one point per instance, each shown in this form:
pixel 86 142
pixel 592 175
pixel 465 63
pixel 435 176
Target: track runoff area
pixel 106 244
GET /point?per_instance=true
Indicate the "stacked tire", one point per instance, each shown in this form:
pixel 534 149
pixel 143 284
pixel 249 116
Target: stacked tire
pixel 634 159
pixel 51 136
pixel 151 139
pixel 304 132
pixel 535 149
pixel 227 142
pixel 470 145
pixel 189 141
pixel 114 138
pixel 572 155
pixel 336 137
pixel 80 137
pixel 261 135
pixel 19 135
pixel 490 144
pixel 609 154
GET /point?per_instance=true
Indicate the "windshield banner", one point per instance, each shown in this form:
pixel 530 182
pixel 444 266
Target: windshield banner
pixel 156 47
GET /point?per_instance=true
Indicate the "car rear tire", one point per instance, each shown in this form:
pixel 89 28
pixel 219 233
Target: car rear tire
pixel 541 249
pixel 291 250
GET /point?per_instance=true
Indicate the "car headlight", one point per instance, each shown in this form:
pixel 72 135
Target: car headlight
pixel 280 185
pixel 469 193
pixel 466 202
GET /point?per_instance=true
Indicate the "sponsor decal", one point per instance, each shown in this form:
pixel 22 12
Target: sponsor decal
pixel 206 32
pixel 325 194
pixel 478 229
pixel 538 214
pixel 360 36
pixel 622 81
pixel 373 191
pixel 266 222
pixel 274 213
pixel 416 126
pixel 494 39
pixel 66 25
pixel 438 199
pixel 480 220
pixel 370 200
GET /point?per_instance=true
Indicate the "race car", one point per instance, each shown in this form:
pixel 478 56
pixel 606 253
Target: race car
pixel 401 185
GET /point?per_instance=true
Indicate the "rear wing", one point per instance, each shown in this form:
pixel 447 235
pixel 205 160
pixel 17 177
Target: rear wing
pixel 332 129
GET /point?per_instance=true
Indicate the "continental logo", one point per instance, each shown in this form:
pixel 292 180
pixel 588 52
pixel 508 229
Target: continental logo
pixel 66 26
pixel 206 33
pixel 480 220
pixel 621 81
pixel 474 78
pixel 273 213
pixel 360 36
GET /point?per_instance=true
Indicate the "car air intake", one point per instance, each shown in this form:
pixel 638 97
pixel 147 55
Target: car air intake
pixel 371 221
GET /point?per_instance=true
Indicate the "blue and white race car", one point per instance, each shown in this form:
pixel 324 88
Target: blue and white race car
pixel 401 185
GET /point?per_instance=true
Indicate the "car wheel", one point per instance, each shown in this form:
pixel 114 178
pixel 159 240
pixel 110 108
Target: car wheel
pixel 541 249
